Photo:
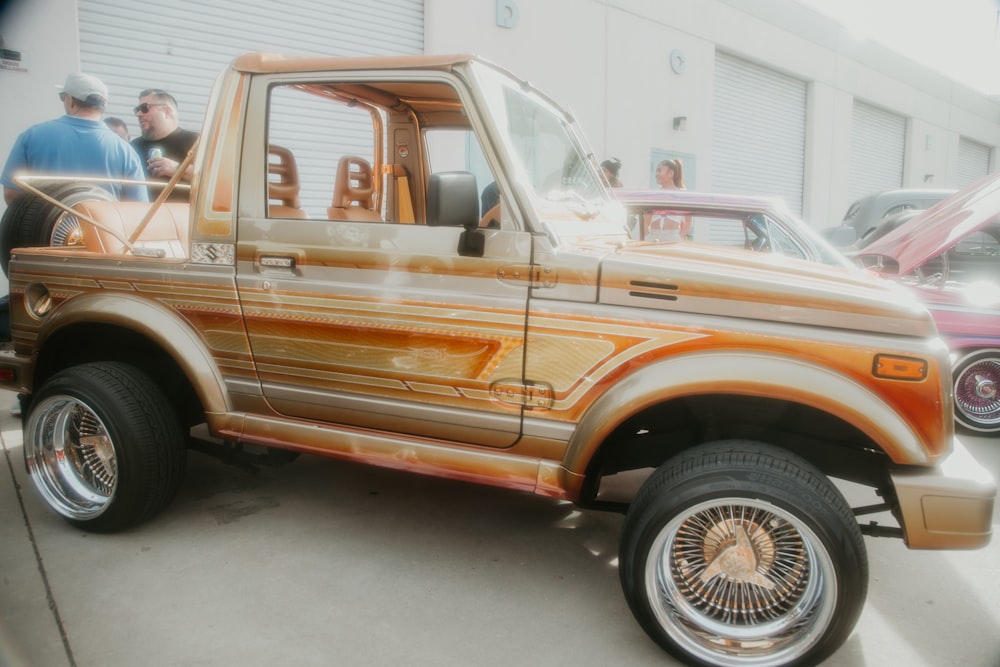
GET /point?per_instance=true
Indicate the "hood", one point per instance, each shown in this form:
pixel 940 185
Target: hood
pixel 939 228
pixel 734 283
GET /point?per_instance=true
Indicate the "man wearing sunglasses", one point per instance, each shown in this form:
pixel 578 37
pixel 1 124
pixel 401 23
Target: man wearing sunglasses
pixel 76 144
pixel 163 144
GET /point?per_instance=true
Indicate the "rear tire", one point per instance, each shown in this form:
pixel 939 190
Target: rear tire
pixel 32 221
pixel 740 553
pixel 103 446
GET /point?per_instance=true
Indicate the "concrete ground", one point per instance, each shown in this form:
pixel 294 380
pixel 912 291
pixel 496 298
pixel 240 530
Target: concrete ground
pixel 328 563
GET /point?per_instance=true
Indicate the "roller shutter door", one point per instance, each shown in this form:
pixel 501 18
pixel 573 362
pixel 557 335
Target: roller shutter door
pixel 973 161
pixel 758 131
pixel 181 45
pixel 878 140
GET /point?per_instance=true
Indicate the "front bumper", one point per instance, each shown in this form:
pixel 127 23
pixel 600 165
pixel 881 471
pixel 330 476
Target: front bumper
pixel 948 506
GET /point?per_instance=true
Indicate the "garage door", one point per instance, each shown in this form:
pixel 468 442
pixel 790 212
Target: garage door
pixel 758 131
pixel 181 46
pixel 973 161
pixel 878 139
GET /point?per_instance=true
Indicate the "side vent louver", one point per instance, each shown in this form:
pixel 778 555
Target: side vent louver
pixel 648 290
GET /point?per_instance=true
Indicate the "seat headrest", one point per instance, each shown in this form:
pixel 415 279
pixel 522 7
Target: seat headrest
pixel 354 184
pixel 283 176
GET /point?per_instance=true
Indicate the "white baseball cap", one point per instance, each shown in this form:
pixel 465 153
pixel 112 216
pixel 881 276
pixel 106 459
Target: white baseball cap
pixel 88 89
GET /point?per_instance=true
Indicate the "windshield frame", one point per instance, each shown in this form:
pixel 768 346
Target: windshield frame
pixel 574 205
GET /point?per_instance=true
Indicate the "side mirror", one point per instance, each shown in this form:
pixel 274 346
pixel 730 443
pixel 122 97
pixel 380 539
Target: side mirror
pixel 472 242
pixel 453 201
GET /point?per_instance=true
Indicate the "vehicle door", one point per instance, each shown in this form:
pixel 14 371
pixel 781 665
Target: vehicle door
pixel 359 310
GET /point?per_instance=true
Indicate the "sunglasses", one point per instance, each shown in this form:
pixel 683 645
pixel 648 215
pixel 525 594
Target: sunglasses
pixel 144 107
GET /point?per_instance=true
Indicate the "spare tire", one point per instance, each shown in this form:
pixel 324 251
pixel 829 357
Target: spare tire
pixel 33 221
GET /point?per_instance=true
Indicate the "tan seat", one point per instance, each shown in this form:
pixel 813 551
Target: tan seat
pixel 283 184
pixel 167 230
pixel 354 191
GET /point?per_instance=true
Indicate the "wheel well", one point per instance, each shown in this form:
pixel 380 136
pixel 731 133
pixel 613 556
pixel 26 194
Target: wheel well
pixel 85 343
pixel 649 438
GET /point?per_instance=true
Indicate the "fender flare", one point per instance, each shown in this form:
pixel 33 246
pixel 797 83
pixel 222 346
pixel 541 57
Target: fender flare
pixel 155 322
pixel 748 374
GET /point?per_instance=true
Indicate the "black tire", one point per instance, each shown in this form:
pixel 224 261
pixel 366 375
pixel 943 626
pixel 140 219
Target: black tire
pixel 976 379
pixel 103 446
pixel 32 221
pixel 739 553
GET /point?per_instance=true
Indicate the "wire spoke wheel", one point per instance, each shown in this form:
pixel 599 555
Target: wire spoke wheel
pixel 977 391
pixel 741 578
pixel 71 457
pixel 740 554
pixel 67 231
pixel 103 445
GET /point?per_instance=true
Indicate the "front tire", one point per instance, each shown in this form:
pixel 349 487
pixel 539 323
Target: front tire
pixel 977 392
pixel 103 446
pixel 739 553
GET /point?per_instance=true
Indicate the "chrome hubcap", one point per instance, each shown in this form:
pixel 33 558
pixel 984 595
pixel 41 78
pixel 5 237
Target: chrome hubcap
pixel 985 388
pixel 741 582
pixel 71 457
pixel 976 393
pixel 67 231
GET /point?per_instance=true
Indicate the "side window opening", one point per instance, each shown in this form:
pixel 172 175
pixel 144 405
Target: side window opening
pixel 309 135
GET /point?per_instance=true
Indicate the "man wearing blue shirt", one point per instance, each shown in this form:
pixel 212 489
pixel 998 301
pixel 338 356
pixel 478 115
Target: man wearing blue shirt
pixel 77 144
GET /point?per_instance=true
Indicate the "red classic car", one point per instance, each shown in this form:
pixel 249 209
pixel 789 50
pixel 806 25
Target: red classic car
pixel 950 255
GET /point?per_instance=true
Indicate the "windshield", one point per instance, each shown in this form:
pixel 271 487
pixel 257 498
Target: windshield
pixel 560 178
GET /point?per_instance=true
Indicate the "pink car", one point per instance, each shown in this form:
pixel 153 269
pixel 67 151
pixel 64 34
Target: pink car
pixel 950 255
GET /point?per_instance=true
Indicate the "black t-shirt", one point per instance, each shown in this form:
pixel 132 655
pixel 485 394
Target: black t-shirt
pixel 174 146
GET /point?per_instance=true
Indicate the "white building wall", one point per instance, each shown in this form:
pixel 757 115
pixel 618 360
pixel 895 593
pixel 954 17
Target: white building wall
pixel 45 33
pixel 608 61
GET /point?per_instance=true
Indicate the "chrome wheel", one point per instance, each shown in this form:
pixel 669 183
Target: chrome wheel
pixel 67 231
pixel 103 445
pixel 977 399
pixel 71 457
pixel 741 582
pixel 741 554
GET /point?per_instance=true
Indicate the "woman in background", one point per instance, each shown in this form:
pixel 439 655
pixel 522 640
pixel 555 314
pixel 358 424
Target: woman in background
pixel 670 174
pixel 660 225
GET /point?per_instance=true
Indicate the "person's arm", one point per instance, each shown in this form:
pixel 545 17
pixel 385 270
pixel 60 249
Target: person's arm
pixel 164 167
pixel 10 194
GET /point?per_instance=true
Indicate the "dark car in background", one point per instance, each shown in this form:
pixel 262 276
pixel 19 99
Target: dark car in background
pixel 950 255
pixel 864 215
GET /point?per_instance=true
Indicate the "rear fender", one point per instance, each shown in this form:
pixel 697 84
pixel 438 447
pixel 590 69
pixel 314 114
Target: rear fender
pixel 156 323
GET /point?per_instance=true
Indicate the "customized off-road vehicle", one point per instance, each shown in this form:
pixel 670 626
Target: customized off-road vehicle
pixel 414 263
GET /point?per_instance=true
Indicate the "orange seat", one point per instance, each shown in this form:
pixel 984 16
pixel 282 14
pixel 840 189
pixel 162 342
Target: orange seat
pixel 354 191
pixel 283 184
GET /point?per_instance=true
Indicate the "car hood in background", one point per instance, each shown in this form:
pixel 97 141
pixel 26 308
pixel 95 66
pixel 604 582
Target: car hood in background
pixel 941 227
